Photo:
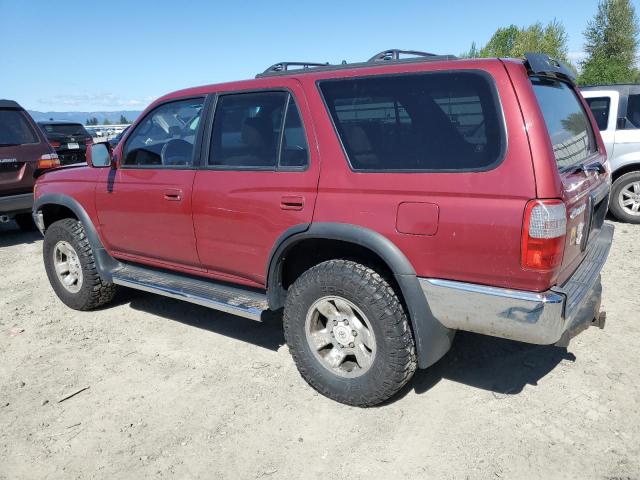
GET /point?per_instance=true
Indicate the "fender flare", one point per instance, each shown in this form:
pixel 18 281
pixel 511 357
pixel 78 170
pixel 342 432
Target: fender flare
pixel 432 338
pixel 105 263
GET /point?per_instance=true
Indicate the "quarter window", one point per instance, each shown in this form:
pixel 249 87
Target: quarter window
pixel 166 136
pixel 600 108
pixel 15 128
pixel 448 121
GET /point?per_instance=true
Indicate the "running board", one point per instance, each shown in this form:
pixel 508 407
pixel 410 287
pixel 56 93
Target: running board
pixel 218 296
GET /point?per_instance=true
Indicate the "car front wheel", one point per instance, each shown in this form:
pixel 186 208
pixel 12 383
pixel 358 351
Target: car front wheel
pixel 625 198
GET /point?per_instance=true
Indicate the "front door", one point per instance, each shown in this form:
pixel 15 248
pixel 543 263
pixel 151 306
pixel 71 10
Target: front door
pixel 259 179
pixel 144 206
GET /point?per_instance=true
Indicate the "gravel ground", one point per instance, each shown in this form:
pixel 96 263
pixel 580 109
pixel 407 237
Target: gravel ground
pixel 178 391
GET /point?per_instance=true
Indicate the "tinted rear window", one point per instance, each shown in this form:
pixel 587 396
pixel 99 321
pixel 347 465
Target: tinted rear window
pixel 15 129
pixel 600 108
pixel 65 129
pixel 567 122
pixel 447 121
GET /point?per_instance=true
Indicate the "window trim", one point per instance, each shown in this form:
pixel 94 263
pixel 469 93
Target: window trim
pixel 493 88
pixel 196 145
pixel 206 149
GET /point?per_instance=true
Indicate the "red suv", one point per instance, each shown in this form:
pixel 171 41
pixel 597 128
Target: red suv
pixel 384 205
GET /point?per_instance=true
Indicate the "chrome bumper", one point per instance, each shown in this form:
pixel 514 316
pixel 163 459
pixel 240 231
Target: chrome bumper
pixel 543 318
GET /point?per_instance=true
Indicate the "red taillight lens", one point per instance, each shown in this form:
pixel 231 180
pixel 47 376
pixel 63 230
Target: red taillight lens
pixel 543 235
pixel 49 160
pixel 55 144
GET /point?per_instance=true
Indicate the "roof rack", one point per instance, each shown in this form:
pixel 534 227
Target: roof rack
pixel 392 55
pixel 284 66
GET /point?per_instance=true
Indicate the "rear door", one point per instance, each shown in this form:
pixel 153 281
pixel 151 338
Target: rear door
pixel 260 178
pixel 21 146
pixel 144 206
pixel 575 144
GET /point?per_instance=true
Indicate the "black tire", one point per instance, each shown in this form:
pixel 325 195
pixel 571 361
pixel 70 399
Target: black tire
pixel 94 292
pixel 618 186
pixel 25 222
pixel 394 362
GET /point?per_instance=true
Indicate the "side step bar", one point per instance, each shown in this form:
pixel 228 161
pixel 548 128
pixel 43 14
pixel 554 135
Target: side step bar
pixel 218 296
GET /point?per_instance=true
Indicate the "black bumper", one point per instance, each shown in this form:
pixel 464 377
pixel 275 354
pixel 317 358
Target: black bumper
pixel 16 203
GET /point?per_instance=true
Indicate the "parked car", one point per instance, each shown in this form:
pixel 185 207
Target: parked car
pixel 453 195
pixel 68 139
pixel 23 150
pixel 617 112
pixel 115 140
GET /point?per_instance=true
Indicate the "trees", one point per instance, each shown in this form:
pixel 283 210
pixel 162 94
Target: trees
pixel 123 120
pixel 611 44
pixel 92 121
pixel 513 41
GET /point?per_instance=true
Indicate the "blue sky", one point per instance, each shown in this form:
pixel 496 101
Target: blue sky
pixel 68 55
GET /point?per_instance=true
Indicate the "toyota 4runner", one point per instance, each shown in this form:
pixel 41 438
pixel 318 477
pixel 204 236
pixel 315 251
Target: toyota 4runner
pixel 384 205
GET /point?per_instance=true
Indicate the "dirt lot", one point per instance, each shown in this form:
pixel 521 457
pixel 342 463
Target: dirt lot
pixel 179 391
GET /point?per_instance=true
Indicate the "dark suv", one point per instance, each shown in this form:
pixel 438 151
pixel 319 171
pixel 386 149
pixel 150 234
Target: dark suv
pixel 68 139
pixel 384 205
pixel 23 149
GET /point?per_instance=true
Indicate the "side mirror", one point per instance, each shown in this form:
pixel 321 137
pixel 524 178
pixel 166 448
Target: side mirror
pixel 621 124
pixel 99 155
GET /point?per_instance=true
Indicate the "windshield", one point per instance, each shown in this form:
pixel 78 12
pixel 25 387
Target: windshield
pixel 567 122
pixel 15 129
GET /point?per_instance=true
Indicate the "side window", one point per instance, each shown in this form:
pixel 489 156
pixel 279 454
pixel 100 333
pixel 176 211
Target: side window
pixel 633 112
pixel 246 130
pixel 166 136
pixel 600 108
pixel 294 150
pixel 428 121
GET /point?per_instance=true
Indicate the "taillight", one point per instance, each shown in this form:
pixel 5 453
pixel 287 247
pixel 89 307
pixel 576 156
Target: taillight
pixel 543 234
pixel 55 144
pixel 48 160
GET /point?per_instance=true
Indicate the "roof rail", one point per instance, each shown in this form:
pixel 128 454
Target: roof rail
pixel 394 54
pixel 284 66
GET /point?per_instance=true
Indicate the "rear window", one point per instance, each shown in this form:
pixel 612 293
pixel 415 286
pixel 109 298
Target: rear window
pixel 445 121
pixel 567 122
pixel 600 108
pixel 65 129
pixel 15 129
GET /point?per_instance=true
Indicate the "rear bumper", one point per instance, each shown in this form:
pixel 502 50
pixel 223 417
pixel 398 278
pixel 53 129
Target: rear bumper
pixel 16 203
pixel 542 318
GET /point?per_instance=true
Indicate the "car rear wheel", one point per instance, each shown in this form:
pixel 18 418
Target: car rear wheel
pixel 70 266
pixel 625 198
pixel 348 333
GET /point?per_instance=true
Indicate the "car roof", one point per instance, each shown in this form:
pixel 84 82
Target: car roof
pixel 325 72
pixel 629 88
pixel 10 104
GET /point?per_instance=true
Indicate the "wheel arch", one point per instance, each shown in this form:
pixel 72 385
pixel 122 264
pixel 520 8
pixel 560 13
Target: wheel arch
pixel 306 243
pixel 56 206
pixel 624 169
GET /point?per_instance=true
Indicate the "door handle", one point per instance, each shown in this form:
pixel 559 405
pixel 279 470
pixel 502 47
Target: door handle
pixel 291 202
pixel 173 195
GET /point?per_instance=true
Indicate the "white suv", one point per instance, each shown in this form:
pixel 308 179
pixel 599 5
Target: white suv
pixel 617 112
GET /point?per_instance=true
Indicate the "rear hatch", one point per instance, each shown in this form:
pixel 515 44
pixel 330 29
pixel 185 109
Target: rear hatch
pixel 69 141
pixel 580 163
pixel 21 145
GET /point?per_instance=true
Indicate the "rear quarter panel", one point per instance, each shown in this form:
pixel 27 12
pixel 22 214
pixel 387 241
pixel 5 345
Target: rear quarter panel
pixel 479 214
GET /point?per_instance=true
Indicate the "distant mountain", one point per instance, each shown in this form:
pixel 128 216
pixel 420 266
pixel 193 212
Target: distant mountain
pixel 81 117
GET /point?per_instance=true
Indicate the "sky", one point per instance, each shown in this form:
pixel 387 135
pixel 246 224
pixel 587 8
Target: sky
pixel 70 55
